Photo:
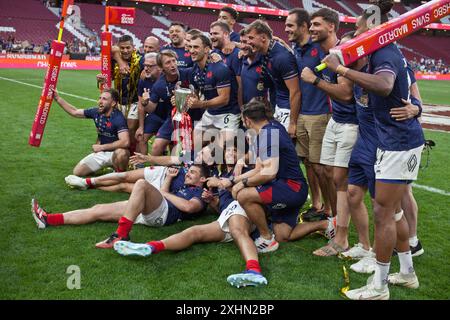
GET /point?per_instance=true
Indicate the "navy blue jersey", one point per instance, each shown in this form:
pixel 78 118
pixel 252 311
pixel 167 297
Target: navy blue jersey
pixel 161 108
pixel 365 148
pixel 250 74
pixel 344 112
pixel 235 37
pixel 108 128
pixel 217 76
pixel 314 101
pixel 225 197
pixel 124 98
pixel 188 193
pixel 281 66
pixel 393 135
pixel 184 57
pixel 274 141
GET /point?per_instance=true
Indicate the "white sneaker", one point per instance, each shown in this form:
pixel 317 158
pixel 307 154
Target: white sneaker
pixel 369 292
pixel 76 182
pixel 409 280
pixel 330 233
pixel 264 246
pixel 365 265
pixel 357 252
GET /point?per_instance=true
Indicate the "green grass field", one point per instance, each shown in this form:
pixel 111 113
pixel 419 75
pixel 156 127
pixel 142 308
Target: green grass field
pixel 33 262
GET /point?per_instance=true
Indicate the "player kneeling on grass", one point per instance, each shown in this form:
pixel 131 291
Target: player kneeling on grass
pixel 111 148
pixel 231 225
pixel 148 205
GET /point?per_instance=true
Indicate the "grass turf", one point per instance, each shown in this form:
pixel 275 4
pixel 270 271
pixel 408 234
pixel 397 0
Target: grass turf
pixel 33 262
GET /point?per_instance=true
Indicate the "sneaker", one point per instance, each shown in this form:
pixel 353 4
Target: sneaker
pixel 313 215
pixel 264 246
pixel 415 251
pixel 126 248
pixel 369 292
pixel 365 265
pixel 76 182
pixel 409 280
pixel 357 252
pixel 330 232
pixel 39 214
pixel 247 278
pixel 109 243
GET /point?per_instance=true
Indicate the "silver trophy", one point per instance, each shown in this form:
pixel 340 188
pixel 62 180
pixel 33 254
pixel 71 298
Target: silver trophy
pixel 181 95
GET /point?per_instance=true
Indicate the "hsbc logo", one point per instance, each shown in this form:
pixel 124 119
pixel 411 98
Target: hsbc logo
pixel 126 19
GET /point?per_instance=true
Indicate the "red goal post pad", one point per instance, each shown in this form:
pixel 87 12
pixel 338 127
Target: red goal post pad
pixel 45 102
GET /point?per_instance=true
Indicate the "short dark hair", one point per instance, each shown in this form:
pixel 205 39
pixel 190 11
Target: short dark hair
pixel 194 31
pixel 205 40
pixel 302 16
pixel 231 11
pixel 260 27
pixel 256 110
pixel 126 38
pixel 349 34
pixel 178 23
pixel 222 25
pixel 328 15
pixel 114 94
pixel 243 32
pixel 204 170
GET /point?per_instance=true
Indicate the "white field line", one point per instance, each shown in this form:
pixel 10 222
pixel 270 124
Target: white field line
pixel 431 189
pixel 40 87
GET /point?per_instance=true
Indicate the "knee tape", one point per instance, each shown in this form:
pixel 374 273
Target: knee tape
pixel 398 216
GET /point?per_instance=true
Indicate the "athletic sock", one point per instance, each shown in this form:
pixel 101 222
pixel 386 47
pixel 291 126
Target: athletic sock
pixel 381 274
pixel 90 182
pixel 55 219
pixel 253 265
pixel 157 246
pixel 124 227
pixel 406 262
pixel 413 241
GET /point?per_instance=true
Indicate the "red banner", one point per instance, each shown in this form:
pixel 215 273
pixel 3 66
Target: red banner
pixel 106 66
pixel 432 76
pixel 121 15
pixel 51 77
pixel 392 31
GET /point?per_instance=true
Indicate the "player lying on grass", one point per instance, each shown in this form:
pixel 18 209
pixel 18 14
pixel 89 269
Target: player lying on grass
pixel 124 181
pixel 149 204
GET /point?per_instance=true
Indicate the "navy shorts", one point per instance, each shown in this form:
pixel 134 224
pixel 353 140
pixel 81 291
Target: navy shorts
pixel 152 123
pixel 362 175
pixel 165 132
pixel 284 198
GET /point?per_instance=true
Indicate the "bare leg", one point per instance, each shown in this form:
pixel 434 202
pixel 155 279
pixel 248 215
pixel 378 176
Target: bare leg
pixel 159 146
pixel 100 212
pixel 303 229
pixel 240 231
pixel 144 198
pixel 120 159
pixel 210 232
pixel 343 216
pixel 314 187
pixel 358 212
pixel 82 170
pixel 251 202
pixel 410 209
pixel 325 176
pixel 282 232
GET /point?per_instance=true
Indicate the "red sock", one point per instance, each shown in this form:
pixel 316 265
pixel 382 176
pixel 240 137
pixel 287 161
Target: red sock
pixel 124 228
pixel 253 265
pixel 158 246
pixel 55 219
pixel 89 183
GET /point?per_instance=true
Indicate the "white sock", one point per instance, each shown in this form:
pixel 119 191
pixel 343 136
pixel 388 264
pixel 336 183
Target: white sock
pixel 381 274
pixel 413 241
pixel 406 263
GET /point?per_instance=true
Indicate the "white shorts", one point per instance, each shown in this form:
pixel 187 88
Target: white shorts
pixel 132 113
pixel 155 175
pixel 232 209
pixel 219 121
pixel 98 160
pixel 337 143
pixel 283 116
pixel 398 165
pixel 157 218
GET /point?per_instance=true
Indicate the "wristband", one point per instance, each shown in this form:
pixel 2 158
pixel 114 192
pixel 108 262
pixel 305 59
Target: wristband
pixel 244 182
pixel 342 70
pixel 316 81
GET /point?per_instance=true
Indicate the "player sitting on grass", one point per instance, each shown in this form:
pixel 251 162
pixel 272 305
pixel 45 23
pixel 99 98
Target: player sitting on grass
pixel 111 148
pixel 148 205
